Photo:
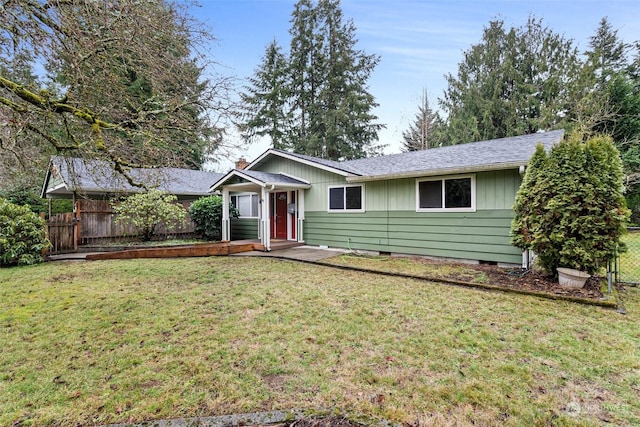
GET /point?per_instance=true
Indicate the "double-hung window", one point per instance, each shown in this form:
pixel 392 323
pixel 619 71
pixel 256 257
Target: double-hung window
pixel 346 198
pixel 246 204
pixel 451 194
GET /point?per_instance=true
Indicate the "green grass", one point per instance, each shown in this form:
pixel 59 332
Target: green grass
pixel 86 343
pixel 407 265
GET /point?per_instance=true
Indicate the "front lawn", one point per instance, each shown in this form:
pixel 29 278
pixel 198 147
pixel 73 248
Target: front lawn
pixel 86 343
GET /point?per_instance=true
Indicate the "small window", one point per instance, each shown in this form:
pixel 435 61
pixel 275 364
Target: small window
pixel 446 194
pixel 246 204
pixel 346 199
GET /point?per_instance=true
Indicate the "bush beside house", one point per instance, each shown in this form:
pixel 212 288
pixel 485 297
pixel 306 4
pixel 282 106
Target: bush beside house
pixel 570 209
pixel 23 236
pixel 206 214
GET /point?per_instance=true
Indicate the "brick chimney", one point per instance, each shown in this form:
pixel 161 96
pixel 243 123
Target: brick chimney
pixel 241 163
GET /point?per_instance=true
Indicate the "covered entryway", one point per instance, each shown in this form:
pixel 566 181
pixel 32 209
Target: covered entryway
pixel 278 213
pixel 283 213
pixel 280 207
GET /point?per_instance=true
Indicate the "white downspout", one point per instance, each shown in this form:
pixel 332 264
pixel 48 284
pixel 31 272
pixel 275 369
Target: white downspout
pixel 226 223
pixel 266 224
pixel 300 203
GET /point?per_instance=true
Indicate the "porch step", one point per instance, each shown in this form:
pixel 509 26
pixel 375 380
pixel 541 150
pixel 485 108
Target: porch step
pixel 282 244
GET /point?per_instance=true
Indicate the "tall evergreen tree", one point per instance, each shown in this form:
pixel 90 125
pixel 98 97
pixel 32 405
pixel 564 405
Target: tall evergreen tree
pixel 593 110
pixel 424 131
pixel 345 121
pixel 513 82
pixel 610 102
pixel 330 107
pixel 607 52
pixel 265 100
pixel 616 84
pixel 306 68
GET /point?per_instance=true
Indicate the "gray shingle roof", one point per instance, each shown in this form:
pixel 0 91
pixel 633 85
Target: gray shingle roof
pixel 500 153
pixel 512 152
pixel 98 176
pixel 260 178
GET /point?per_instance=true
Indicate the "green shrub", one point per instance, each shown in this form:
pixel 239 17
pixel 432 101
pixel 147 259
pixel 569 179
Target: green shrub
pixel 23 235
pixel 149 211
pixel 570 209
pixel 206 214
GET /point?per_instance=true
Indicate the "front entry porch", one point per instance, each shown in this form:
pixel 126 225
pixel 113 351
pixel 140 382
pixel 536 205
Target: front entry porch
pixel 280 205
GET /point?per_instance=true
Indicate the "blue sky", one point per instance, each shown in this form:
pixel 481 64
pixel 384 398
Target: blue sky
pixel 418 41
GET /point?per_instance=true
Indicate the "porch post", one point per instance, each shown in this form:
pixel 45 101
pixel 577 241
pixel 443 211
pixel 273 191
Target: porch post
pixel 226 223
pixel 266 223
pixel 300 203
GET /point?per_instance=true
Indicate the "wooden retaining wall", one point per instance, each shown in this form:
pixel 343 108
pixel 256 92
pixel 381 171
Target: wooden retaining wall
pixel 205 249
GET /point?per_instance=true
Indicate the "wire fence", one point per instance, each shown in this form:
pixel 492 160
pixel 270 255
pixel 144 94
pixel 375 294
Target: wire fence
pixel 628 263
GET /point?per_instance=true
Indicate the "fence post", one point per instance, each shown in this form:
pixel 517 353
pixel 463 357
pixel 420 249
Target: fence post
pixel 609 274
pixel 617 264
pixel 77 229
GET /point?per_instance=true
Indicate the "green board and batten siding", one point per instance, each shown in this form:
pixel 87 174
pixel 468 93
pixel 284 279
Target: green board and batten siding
pixel 244 228
pixel 316 197
pixel 481 235
pixel 390 222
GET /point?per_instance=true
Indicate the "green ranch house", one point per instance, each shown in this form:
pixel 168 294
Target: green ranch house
pixel 451 202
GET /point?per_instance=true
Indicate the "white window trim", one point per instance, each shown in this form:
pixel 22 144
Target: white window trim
pixel 345 210
pixel 246 194
pixel 442 179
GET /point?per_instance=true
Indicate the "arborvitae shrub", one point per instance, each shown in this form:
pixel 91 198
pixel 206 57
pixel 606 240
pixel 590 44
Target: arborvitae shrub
pixel 570 209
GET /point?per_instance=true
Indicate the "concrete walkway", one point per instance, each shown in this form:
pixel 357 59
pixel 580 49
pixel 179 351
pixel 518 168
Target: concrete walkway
pixel 299 253
pixel 73 256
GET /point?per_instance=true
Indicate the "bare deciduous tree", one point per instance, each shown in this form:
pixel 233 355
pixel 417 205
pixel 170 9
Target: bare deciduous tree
pixel 123 80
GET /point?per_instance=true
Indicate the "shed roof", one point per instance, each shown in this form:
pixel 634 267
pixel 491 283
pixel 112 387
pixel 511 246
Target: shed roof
pixel 93 177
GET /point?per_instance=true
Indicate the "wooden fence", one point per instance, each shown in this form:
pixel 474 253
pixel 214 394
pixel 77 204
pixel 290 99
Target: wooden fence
pixel 98 222
pixel 63 233
pixel 94 221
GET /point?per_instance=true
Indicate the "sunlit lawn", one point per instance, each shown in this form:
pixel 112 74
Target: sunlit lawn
pixel 116 341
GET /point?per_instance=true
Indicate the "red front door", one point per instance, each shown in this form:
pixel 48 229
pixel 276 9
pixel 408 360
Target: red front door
pixel 279 215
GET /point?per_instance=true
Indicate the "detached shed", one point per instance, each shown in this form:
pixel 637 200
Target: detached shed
pixel 92 184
